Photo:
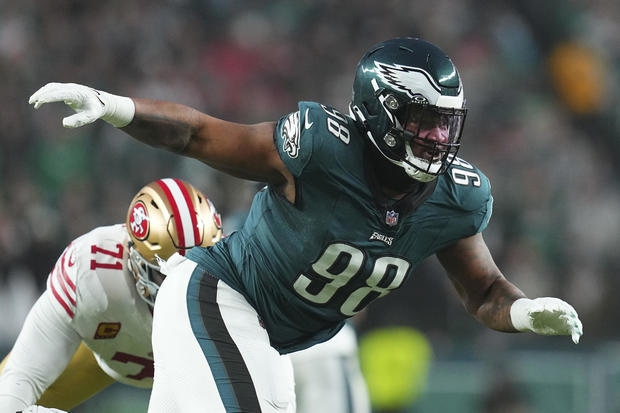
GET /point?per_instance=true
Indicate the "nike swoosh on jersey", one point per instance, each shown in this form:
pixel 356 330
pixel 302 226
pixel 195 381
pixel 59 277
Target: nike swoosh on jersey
pixel 307 124
pixel 71 261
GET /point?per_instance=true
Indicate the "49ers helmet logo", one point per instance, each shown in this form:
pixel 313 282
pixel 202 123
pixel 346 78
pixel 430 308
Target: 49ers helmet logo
pixel 139 221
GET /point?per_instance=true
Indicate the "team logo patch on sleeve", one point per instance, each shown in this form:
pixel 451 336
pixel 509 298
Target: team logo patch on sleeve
pixel 290 135
pixel 139 221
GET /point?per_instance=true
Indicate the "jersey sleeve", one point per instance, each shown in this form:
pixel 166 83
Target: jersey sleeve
pixel 62 283
pixel 314 142
pixel 472 191
pixel 294 140
pixel 461 205
pixel 49 337
pixel 74 284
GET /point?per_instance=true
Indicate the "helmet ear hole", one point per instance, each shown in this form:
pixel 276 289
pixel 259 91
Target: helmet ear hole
pixel 154 204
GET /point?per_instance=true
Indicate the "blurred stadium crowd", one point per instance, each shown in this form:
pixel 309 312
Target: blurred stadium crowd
pixel 541 81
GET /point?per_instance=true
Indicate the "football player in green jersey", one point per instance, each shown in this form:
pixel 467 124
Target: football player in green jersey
pixel 354 202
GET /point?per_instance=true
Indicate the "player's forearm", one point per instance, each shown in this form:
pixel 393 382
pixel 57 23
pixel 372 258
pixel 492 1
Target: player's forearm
pixel 494 308
pixel 10 403
pixel 41 352
pixel 165 125
pixel 16 394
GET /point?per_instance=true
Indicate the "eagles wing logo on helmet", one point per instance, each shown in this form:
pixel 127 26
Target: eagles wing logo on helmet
pixel 139 221
pixel 409 80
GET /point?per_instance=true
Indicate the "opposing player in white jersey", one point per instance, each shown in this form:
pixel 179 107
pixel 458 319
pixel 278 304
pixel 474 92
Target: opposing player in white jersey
pixel 92 325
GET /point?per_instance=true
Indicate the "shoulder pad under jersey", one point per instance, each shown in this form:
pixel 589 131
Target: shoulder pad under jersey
pixel 463 187
pixel 308 132
pixel 76 271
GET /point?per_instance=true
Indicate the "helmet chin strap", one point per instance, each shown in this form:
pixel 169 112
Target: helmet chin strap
pixel 418 175
pixel 415 167
pixel 410 168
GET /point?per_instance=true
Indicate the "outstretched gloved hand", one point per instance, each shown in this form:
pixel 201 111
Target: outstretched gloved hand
pixel 548 316
pixel 88 103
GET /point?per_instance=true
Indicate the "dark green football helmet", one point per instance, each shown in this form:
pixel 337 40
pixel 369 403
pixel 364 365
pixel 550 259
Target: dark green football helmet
pixel 408 100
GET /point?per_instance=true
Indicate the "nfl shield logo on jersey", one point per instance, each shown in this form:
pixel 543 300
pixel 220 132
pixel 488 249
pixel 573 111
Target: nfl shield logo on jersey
pixel 391 218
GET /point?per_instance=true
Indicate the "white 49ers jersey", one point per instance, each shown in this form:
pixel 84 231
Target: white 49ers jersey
pixel 94 292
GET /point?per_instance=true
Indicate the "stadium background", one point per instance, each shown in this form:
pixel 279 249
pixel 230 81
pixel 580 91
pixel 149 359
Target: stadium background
pixel 541 81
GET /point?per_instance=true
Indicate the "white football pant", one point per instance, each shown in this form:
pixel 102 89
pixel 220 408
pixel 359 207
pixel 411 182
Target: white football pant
pixel 211 353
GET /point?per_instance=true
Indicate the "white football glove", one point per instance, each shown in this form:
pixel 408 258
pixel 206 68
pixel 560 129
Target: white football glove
pixel 89 104
pixel 548 316
pixel 41 409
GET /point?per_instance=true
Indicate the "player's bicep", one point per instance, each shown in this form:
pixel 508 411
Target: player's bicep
pixel 245 151
pixel 48 332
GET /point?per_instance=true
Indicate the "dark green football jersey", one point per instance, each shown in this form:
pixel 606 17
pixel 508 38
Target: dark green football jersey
pixel 307 267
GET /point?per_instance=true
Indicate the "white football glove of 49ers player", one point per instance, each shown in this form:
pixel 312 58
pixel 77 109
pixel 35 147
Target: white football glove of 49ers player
pixel 548 316
pixel 88 103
